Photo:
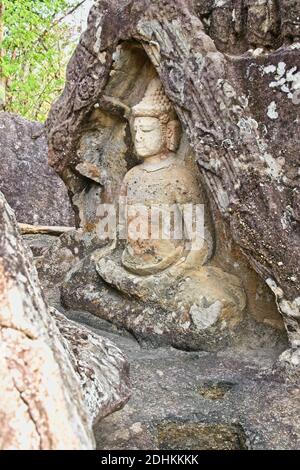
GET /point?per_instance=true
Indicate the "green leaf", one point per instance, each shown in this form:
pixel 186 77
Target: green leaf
pixel 37 48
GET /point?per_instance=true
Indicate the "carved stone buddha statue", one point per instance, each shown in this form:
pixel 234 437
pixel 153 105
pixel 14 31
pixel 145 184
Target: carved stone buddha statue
pixel 161 181
pixel 150 265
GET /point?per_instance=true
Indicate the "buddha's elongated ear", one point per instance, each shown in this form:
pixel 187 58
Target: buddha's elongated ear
pixel 173 135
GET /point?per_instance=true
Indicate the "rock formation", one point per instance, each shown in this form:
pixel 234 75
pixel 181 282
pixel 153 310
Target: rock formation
pixel 29 184
pixel 102 368
pixel 41 401
pixel 163 261
pixel 198 400
pixel 56 378
pixel 230 70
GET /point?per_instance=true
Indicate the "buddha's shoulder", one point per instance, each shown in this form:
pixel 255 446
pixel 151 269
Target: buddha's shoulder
pixel 133 173
pixel 173 169
pixel 180 169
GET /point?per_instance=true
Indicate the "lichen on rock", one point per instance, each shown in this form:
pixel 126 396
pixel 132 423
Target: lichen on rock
pixel 220 87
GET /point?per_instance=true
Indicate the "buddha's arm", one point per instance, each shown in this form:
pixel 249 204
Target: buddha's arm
pixel 196 238
pixel 122 210
pixel 190 203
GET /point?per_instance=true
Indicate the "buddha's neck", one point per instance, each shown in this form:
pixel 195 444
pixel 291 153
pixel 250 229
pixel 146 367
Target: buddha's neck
pixel 157 158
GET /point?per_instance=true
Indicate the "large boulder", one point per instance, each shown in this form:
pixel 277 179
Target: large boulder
pixel 42 404
pixel 102 368
pixel 30 185
pixel 56 377
pixel 239 112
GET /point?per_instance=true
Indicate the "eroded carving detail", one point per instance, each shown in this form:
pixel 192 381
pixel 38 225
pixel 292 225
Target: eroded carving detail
pixel 222 103
pixel 149 268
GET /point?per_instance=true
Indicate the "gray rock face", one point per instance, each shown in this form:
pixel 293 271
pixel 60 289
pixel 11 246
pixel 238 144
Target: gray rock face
pixel 31 187
pixel 42 404
pixel 239 113
pixel 204 401
pixel 152 325
pixel 236 26
pixel 56 377
pixel 38 244
pixel 100 365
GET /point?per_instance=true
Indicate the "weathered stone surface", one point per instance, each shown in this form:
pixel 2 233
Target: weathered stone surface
pixel 236 25
pixel 39 244
pixel 200 436
pixel 198 400
pixel 58 260
pixel 168 274
pixel 42 404
pixel 71 279
pixel 239 114
pixel 100 365
pixel 29 184
pixel 151 323
pixel 57 377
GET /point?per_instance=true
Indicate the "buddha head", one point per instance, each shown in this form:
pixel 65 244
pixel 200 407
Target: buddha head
pixel 155 128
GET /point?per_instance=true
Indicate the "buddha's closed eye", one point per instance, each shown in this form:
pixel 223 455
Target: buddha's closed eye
pixel 144 128
pixel 147 130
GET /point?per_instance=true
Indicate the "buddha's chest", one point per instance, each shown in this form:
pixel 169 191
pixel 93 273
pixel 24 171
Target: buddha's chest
pixel 151 188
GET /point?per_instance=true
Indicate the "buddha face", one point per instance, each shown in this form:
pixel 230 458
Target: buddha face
pixel 149 138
